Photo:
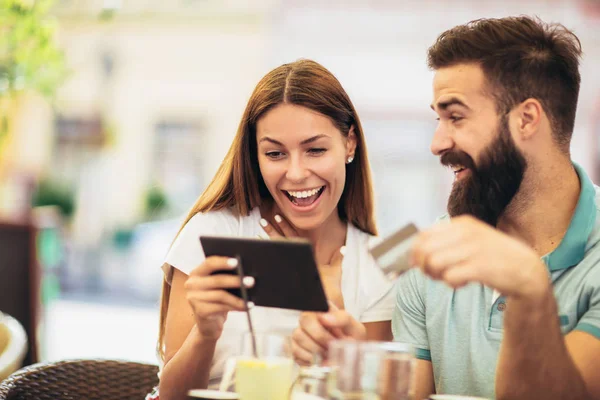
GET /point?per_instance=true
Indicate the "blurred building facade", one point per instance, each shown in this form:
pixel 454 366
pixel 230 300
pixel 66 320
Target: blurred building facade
pixel 167 84
pixel 156 90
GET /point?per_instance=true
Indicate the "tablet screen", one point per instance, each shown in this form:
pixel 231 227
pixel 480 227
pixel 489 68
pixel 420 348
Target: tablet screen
pixel 285 271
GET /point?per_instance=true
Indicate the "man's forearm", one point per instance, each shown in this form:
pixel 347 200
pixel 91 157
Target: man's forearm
pixel 534 361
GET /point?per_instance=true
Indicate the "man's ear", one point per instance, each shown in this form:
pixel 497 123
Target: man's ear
pixel 528 118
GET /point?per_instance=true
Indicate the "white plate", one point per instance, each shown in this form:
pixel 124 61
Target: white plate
pixel 305 396
pixel 453 397
pixel 219 395
pixel 212 394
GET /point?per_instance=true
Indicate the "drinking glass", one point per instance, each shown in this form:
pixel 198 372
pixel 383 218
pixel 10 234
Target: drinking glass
pixel 371 370
pixel 396 371
pixel 269 375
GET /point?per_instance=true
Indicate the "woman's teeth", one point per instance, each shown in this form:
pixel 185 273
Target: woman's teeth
pixel 304 198
pixel 304 193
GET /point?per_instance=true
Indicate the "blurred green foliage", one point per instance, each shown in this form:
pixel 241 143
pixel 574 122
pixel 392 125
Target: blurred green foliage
pixel 155 202
pixel 29 55
pixel 30 58
pixel 50 193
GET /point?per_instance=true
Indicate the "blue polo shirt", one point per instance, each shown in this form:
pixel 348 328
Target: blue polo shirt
pixel 460 331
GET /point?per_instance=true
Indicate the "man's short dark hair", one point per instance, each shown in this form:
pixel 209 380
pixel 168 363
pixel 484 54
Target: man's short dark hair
pixel 521 58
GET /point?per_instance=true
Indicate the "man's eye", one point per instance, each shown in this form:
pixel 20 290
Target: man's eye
pixel 453 118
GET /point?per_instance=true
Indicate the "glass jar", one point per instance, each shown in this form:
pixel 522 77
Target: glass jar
pixel 314 380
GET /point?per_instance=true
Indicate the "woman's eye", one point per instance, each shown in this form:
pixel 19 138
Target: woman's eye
pixel 317 151
pixel 274 155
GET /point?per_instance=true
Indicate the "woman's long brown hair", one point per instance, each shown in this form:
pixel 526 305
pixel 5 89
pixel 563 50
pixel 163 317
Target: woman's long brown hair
pixel 238 184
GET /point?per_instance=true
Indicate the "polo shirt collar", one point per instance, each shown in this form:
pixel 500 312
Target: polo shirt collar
pixel 571 249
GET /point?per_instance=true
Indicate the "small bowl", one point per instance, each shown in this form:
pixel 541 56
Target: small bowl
pixel 206 394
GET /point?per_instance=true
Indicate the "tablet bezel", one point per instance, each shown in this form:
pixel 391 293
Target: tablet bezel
pixel 285 272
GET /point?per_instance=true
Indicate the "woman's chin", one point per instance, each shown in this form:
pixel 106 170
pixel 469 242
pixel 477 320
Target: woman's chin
pixel 302 224
pixel 303 221
pixel 307 222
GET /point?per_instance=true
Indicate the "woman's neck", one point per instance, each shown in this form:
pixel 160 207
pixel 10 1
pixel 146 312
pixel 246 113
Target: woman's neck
pixel 327 238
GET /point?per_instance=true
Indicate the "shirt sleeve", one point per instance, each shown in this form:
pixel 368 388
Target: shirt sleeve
pixel 590 321
pixel 186 252
pixel 376 293
pixel 382 308
pixel 408 322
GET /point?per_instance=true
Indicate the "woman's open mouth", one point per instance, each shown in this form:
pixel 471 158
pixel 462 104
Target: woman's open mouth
pixel 304 198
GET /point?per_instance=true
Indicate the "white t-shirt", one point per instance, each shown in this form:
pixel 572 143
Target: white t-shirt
pixel 368 295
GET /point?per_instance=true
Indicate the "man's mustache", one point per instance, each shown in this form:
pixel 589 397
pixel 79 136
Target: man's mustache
pixel 457 158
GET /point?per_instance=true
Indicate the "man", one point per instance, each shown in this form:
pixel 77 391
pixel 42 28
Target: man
pixel 506 300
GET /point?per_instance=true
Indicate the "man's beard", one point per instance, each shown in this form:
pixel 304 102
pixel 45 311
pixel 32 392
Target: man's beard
pixel 491 186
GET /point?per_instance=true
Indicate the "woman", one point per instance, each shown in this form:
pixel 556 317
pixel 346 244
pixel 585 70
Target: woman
pixel 297 167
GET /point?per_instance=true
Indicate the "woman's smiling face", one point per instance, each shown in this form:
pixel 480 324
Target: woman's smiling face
pixel 302 158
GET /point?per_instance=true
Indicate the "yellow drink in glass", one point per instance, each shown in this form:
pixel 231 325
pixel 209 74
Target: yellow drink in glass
pixel 263 378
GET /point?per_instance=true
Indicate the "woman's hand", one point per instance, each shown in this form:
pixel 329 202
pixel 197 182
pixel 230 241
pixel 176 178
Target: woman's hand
pixel 283 229
pixel 208 298
pixel 311 339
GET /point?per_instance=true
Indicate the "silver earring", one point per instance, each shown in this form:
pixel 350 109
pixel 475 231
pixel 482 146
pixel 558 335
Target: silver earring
pixel 350 159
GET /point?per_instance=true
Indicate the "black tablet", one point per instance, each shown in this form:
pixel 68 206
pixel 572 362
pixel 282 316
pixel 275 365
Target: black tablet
pixel 285 271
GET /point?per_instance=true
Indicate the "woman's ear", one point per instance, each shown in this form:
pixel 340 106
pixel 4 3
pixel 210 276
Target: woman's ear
pixel 350 143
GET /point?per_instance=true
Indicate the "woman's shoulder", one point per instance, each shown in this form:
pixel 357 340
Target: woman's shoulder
pixel 369 273
pixel 226 221
pixel 358 245
pixel 186 252
pixel 362 239
pixel 374 301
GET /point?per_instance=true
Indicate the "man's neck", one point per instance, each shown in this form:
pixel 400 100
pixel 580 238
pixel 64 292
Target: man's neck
pixel 541 212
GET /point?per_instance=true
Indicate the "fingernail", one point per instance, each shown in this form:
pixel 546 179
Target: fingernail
pixel 343 250
pixel 232 262
pixel 248 281
pixel 263 222
pixel 277 218
pixel 250 304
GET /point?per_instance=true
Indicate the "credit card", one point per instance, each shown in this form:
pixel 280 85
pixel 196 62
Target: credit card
pixel 391 254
